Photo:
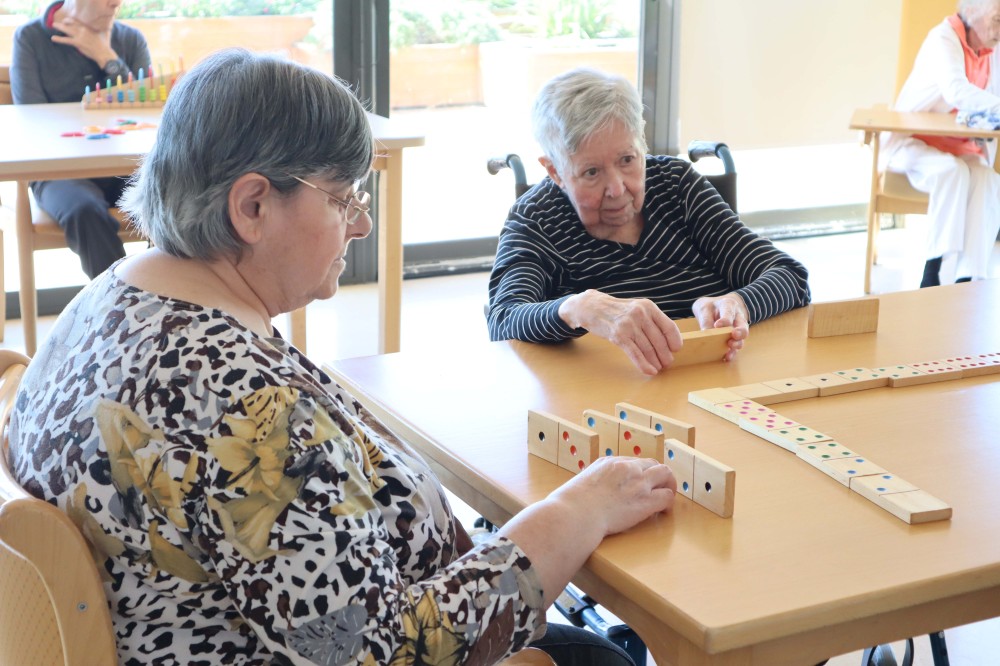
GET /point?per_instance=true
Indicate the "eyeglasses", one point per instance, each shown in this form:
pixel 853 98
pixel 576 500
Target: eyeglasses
pixel 357 204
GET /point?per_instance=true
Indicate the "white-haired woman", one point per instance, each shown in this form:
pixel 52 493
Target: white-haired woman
pixel 955 70
pixel 617 243
pixel 244 508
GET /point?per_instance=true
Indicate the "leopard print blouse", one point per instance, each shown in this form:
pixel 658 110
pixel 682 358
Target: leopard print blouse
pixel 243 508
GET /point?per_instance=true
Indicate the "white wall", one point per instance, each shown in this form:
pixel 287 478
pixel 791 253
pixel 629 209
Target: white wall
pixel 773 73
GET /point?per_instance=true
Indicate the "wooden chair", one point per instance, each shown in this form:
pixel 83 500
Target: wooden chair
pixel 36 231
pixel 891 192
pixel 54 611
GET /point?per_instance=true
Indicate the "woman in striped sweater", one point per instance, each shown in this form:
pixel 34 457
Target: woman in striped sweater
pixel 617 242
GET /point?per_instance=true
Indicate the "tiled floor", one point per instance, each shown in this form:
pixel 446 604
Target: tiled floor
pixel 439 310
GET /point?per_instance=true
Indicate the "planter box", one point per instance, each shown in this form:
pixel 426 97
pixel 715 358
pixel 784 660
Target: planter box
pixel 435 75
pixel 194 38
pixel 513 72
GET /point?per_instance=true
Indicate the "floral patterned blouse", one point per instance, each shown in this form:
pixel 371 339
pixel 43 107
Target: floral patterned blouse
pixel 243 508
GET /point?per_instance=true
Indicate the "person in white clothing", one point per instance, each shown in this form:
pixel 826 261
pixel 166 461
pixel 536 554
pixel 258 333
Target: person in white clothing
pixel 955 70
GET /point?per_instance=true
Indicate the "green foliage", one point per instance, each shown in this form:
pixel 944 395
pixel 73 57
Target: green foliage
pixel 471 21
pixel 583 19
pixel 186 8
pixel 461 22
pixel 212 8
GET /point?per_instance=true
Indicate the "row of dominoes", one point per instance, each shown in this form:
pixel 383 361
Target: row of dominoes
pixel 746 406
pixel 640 433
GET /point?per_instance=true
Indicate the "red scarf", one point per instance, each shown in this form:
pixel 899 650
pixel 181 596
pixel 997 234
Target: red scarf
pixel 977 70
pixel 50 14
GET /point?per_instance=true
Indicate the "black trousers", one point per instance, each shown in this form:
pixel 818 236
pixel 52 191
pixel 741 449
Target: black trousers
pixel 81 209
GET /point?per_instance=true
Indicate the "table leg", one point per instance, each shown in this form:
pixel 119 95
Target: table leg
pixel 873 215
pixel 26 268
pixel 3 293
pixel 390 252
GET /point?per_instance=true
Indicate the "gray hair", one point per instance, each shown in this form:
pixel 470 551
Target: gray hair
pixel 235 113
pixel 574 105
pixel 971 10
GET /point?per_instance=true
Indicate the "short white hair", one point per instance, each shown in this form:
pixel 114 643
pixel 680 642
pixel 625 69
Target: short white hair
pixel 580 102
pixel 973 9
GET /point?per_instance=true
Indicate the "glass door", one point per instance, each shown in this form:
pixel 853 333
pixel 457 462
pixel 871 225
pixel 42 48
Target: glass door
pixel 466 72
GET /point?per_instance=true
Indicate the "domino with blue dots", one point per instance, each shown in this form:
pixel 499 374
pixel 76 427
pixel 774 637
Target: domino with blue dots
pixel 901 498
pixel 702 478
pixel 671 428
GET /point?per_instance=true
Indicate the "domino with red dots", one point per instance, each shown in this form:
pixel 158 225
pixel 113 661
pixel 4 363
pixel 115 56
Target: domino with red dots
pixel 700 477
pixel 942 370
pixel 560 442
pixel 578 446
pixel 638 441
pixel 671 428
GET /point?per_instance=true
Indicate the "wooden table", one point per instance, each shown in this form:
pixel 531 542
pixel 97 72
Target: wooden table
pixel 805 569
pixel 32 149
pixel 894 194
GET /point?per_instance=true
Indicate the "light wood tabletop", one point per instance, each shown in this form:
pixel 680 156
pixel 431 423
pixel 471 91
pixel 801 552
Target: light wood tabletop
pixel 805 569
pixel 33 149
pixel 883 119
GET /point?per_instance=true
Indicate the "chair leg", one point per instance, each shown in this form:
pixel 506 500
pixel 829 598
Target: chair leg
pixel 870 251
pixel 26 268
pixel 939 650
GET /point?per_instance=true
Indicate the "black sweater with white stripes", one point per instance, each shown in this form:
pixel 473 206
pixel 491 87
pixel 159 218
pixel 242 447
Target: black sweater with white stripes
pixel 692 245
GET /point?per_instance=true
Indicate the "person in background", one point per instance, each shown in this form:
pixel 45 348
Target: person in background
pixel 617 243
pixel 955 70
pixel 77 44
pixel 243 507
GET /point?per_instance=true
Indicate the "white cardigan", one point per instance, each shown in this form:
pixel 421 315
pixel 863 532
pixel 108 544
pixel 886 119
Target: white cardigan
pixel 938 83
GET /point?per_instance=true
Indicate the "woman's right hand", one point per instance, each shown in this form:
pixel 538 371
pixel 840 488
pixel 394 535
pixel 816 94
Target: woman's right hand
pixel 560 532
pixel 619 492
pixel 637 325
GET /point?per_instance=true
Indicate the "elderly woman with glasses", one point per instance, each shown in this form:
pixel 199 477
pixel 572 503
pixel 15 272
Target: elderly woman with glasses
pixel 242 507
pixel 617 242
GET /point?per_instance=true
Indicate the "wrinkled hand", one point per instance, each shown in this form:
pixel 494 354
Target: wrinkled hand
pixel 722 311
pixel 95 44
pixel 646 335
pixel 619 492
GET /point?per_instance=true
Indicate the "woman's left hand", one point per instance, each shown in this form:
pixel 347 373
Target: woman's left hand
pixel 722 311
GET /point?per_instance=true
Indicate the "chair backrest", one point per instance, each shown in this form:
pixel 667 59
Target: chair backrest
pixel 724 183
pixel 53 609
pixel 917 19
pixel 6 96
